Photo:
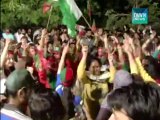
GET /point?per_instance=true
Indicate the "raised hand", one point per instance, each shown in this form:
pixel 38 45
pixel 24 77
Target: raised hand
pixel 138 52
pixel 8 41
pixel 96 34
pixel 62 37
pixel 126 47
pixel 44 32
pixel 30 69
pixel 128 38
pixel 105 38
pixel 150 28
pixel 132 30
pixel 115 39
pixel 84 50
pixel 110 57
pixel 153 34
pixel 125 28
pixel 78 38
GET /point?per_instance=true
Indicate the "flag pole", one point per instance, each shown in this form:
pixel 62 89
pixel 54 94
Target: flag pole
pixel 87 22
pixel 89 10
pixel 49 17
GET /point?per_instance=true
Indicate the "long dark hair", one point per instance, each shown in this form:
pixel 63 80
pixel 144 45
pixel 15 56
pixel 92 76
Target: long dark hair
pixel 153 67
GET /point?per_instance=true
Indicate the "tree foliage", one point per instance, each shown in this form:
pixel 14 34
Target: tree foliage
pixel 114 14
pixel 110 14
pixel 18 13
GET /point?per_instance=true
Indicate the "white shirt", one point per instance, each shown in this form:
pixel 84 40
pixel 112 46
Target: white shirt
pixel 2 85
pixel 16 115
pixel 18 37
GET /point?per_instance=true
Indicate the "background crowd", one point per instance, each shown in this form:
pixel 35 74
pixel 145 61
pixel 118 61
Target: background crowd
pixel 99 75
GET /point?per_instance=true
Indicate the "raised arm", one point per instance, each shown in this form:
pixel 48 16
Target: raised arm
pixel 78 43
pixel 81 73
pixel 147 42
pixel 129 51
pixel 62 60
pixel 120 51
pixel 106 44
pixel 45 51
pixel 4 53
pixel 112 68
pixel 96 39
pixel 142 72
pixel 44 32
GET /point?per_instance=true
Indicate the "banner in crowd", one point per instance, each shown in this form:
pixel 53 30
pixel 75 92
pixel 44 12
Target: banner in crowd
pixel 139 15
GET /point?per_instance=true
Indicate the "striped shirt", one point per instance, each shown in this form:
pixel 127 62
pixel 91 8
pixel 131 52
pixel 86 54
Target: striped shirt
pixel 9 112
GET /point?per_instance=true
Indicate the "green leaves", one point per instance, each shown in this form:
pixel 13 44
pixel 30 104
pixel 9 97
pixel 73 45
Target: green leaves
pixel 18 13
pixel 110 14
pixel 117 19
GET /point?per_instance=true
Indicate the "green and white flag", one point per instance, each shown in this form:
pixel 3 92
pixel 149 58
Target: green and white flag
pixel 71 14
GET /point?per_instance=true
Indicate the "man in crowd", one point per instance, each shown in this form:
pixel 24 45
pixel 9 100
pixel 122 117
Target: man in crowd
pixel 18 89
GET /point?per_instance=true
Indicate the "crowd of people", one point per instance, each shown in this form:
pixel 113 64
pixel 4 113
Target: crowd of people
pixel 97 75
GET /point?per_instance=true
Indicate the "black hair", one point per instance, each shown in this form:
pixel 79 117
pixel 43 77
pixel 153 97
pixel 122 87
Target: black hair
pixel 137 79
pixel 153 67
pixel 88 29
pixel 46 105
pixel 8 71
pixel 50 42
pixel 37 38
pixel 29 61
pixel 90 59
pixel 10 93
pixel 100 44
pixel 140 101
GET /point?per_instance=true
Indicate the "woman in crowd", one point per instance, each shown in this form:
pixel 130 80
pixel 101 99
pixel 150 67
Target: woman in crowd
pixel 40 63
pixel 95 82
